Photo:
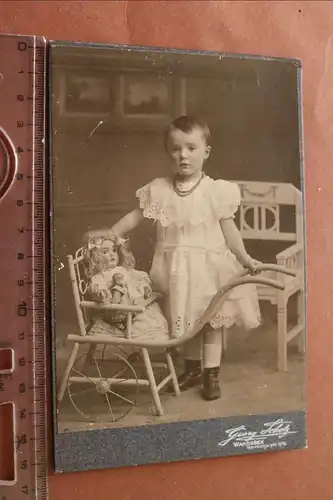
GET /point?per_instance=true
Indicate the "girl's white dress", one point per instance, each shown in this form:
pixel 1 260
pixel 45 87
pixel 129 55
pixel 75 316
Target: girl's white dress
pixel 191 260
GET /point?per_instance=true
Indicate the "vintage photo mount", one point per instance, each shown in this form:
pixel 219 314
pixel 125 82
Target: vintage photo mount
pixel 98 448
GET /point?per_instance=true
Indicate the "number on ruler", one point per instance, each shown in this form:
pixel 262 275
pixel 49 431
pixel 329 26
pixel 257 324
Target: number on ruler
pixel 22 309
pixel 22 46
pixel 23 413
pixel 21 440
pixel 25 489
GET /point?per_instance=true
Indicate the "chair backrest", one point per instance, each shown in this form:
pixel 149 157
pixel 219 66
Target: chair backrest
pixel 79 286
pixel 260 214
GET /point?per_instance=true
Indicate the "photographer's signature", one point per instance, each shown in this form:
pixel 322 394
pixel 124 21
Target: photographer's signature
pixel 241 435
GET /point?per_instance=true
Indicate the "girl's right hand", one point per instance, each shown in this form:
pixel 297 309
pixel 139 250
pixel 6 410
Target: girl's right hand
pixel 94 234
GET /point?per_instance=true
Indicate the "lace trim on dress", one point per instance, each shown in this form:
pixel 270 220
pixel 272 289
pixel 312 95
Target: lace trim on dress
pixel 152 210
pixel 219 321
pixel 221 200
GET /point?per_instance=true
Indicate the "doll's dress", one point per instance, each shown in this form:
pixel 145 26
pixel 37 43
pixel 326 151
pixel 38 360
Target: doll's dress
pixel 149 323
pixel 191 260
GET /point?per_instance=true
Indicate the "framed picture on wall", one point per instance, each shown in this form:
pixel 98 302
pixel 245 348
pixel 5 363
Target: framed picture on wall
pixel 179 315
pixel 148 99
pixel 124 98
pixel 83 95
pixel 145 95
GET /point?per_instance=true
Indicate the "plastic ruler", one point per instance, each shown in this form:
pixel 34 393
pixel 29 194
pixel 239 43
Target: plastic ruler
pixel 23 236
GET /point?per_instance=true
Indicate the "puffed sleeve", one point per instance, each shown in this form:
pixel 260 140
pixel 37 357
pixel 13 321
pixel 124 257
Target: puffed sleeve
pixel 226 199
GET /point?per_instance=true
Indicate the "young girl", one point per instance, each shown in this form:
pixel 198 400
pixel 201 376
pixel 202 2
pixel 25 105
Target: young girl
pixel 113 279
pixel 199 248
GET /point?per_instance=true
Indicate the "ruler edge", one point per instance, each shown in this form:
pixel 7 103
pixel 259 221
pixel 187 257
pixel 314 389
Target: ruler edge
pixel 43 43
pixel 39 42
pixel 52 279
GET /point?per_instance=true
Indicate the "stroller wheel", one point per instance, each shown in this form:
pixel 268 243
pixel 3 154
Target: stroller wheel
pixel 103 390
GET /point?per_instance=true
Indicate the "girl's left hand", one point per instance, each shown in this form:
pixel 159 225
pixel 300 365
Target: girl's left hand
pixel 252 265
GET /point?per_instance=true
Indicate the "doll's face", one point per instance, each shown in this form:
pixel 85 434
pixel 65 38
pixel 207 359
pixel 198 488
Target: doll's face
pixel 108 257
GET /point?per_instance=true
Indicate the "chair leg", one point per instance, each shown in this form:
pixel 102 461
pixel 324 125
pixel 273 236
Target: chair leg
pixel 282 327
pixel 70 363
pixel 173 373
pixel 301 321
pixel 152 382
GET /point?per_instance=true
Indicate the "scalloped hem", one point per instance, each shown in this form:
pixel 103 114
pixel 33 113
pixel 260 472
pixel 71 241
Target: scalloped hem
pixel 228 322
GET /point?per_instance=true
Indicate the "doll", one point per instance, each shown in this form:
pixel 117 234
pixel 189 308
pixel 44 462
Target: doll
pixel 113 279
pixel 119 290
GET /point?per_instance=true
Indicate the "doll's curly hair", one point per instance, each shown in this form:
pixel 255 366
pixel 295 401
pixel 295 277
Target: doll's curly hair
pixel 91 254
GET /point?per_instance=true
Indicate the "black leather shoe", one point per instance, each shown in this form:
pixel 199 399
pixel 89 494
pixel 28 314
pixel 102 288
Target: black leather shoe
pixel 211 385
pixel 191 376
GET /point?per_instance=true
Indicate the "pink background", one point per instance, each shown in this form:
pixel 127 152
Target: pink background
pixel 290 29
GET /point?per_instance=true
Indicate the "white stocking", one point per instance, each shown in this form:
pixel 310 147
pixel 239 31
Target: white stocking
pixel 212 348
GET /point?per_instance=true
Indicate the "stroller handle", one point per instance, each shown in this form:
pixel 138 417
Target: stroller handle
pixel 270 267
pixel 217 302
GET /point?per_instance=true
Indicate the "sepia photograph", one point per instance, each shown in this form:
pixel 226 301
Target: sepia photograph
pixel 178 246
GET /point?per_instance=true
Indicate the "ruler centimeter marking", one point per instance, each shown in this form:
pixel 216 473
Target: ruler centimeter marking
pixel 22 259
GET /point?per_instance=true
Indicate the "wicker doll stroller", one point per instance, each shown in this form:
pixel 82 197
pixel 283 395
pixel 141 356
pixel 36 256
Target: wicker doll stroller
pixel 114 376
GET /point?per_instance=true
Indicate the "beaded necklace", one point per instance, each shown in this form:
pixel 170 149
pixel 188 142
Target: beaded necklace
pixel 189 191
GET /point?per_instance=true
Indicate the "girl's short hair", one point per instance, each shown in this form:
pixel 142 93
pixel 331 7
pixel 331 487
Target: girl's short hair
pixel 92 257
pixel 187 124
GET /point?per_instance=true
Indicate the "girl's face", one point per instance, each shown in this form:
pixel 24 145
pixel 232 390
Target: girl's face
pixel 108 255
pixel 187 152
